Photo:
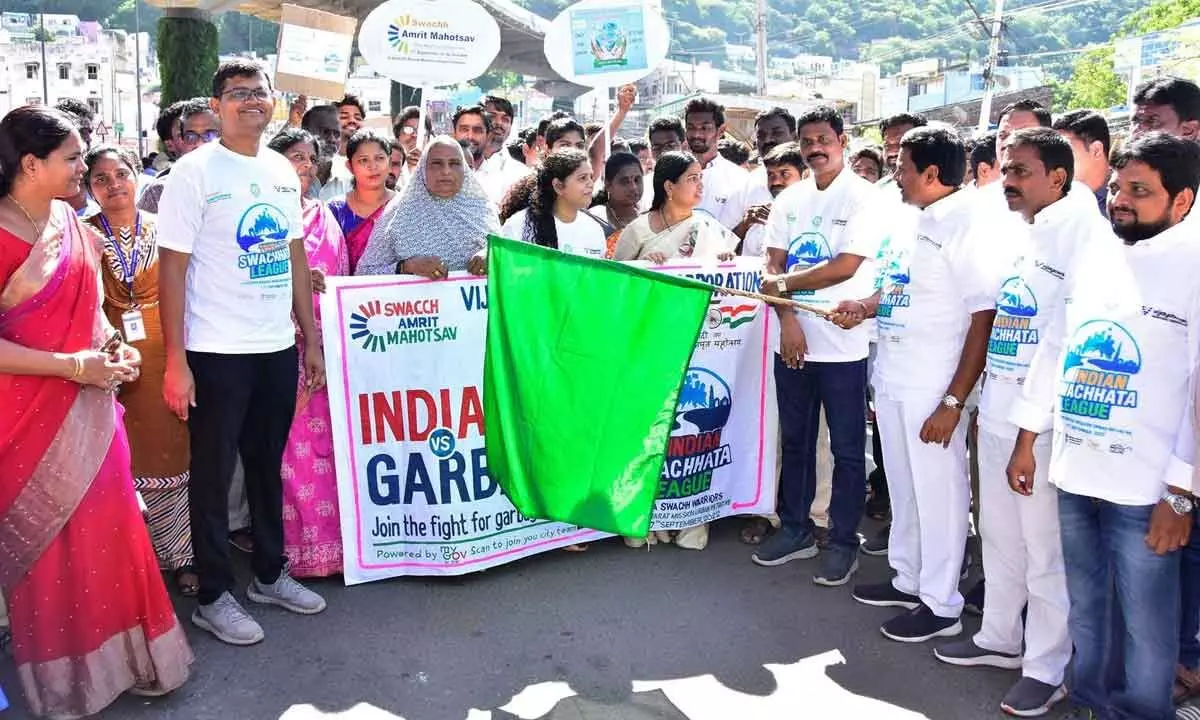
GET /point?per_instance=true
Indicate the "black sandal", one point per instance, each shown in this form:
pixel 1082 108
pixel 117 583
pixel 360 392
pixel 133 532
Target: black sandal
pixel 187 589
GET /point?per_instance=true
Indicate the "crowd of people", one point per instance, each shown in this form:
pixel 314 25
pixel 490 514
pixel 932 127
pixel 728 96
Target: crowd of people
pixel 1014 314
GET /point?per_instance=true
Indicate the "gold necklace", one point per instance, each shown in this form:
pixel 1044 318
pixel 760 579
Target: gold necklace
pixel 37 229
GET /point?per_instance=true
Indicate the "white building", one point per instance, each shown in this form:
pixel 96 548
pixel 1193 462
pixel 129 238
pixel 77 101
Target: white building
pixel 100 67
pixel 27 23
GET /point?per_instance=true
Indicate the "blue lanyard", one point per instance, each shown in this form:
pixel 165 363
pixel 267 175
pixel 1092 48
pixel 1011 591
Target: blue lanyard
pixel 128 267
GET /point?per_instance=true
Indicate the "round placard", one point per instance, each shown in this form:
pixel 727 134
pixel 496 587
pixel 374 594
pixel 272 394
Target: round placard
pixel 607 43
pixel 428 43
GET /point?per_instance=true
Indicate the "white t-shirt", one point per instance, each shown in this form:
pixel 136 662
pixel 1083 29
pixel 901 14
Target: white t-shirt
pixel 235 215
pixel 585 236
pixel 499 173
pixel 815 226
pixel 925 308
pixel 756 192
pixel 1112 373
pixel 1029 295
pixel 722 194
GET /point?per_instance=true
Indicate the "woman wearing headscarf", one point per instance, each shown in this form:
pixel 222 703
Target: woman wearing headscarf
pixel 440 223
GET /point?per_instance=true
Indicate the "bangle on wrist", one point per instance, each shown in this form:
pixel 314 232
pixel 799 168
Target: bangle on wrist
pixel 76 367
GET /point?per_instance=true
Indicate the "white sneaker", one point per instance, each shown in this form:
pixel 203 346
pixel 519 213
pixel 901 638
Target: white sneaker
pixel 287 594
pixel 226 619
pixel 693 538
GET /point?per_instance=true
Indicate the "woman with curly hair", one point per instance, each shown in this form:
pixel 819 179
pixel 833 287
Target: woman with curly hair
pixel 556 201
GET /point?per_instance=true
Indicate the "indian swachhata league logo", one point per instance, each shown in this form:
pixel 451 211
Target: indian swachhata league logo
pixel 695 447
pixel 263 228
pixel 1016 306
pixel 809 247
pixel 1101 358
pixel 733 316
pixel 1016 298
pixel 609 43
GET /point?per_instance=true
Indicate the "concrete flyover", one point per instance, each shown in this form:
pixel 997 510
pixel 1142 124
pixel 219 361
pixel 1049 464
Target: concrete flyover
pixel 521 31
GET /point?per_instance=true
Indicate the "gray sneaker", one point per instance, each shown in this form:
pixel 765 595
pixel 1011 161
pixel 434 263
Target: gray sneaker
pixel 287 594
pixel 785 546
pixel 226 619
pixel 1031 698
pixel 838 565
pixel 965 653
pixel 877 544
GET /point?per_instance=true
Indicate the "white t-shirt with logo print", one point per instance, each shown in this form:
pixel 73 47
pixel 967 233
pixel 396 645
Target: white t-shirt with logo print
pixel 723 189
pixel 236 216
pixel 1113 373
pixel 585 236
pixel 955 267
pixel 1029 297
pixel 814 226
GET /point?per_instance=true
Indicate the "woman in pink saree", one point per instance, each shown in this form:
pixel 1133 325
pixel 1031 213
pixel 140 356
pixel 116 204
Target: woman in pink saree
pixel 312 532
pixel 90 616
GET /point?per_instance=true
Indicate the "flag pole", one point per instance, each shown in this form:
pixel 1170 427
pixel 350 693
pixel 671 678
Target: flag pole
pixel 786 302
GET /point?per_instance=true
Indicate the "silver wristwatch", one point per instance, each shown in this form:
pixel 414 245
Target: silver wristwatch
pixel 781 284
pixel 952 402
pixel 1181 504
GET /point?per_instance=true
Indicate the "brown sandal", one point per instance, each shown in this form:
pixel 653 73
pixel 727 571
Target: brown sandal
pixel 755 531
pixel 1187 684
pixel 190 587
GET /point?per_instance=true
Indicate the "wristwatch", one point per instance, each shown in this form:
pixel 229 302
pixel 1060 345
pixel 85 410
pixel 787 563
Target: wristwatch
pixel 952 402
pixel 781 284
pixel 1181 504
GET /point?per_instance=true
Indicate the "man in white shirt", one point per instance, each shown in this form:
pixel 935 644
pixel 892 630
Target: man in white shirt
pixel 1172 105
pixel 985 169
pixel 724 182
pixel 820 237
pixel 784 167
pixel 1112 377
pixel 350 114
pixel 772 128
pixel 195 125
pixel 1087 132
pixel 232 273
pixel 934 316
pixel 1022 552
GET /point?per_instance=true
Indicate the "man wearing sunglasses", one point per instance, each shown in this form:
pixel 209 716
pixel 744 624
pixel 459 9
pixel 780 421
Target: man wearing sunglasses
pixel 197 125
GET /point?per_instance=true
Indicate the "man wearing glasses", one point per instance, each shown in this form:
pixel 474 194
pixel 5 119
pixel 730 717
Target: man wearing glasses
pixel 232 274
pixel 197 126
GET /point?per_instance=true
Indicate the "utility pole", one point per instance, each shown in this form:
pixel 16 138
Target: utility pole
pixel 760 26
pixel 137 71
pixel 45 70
pixel 989 89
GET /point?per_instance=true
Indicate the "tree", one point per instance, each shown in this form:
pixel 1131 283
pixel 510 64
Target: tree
pixel 187 55
pixel 1094 83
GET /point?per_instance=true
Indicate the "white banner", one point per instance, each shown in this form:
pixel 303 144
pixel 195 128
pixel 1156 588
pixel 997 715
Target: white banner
pixel 405 362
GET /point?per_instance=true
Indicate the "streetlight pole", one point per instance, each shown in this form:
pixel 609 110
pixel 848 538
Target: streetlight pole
pixel 45 70
pixel 137 71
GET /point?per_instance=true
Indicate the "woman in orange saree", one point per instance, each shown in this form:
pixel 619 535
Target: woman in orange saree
pixel 90 616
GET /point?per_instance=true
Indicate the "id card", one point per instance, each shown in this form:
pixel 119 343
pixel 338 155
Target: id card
pixel 131 323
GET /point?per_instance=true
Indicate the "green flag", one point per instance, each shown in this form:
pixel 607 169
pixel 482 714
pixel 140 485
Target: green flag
pixel 584 363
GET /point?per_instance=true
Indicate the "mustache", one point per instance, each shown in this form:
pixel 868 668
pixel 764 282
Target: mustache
pixel 815 155
pixel 1012 192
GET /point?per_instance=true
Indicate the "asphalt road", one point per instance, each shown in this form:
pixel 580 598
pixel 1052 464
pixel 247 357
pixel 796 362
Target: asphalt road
pixel 611 634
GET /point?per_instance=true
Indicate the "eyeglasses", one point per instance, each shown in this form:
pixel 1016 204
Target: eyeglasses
pixel 192 138
pixel 408 130
pixel 244 94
